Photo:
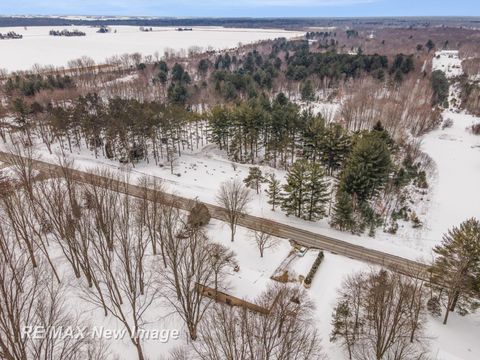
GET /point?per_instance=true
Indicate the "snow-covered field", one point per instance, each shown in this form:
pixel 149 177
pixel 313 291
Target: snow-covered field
pixel 255 272
pixel 456 153
pixel 37 47
pixel 457 340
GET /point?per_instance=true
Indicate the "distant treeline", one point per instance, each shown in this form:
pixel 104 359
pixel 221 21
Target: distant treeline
pixel 66 33
pixel 289 23
pixel 30 84
pixel 10 35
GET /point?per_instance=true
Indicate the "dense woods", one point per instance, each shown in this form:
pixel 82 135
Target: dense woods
pixel 293 61
pixel 66 32
pixel 125 130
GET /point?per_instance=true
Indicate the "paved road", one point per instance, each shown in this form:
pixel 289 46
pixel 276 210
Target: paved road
pixel 301 236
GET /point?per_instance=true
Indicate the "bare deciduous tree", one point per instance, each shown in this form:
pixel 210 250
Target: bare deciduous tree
pixel 189 268
pixel 221 258
pixel 151 209
pixel 21 161
pixel 56 203
pixel 30 298
pixel 287 332
pixel 403 109
pixel 264 241
pixel 233 196
pixel 125 277
pixel 381 315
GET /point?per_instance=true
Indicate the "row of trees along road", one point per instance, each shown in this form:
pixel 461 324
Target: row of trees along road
pixel 126 257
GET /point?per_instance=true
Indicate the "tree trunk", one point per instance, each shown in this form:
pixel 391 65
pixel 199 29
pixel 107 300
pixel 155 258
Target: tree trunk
pixel 192 329
pixel 445 319
pixel 139 351
pixel 454 302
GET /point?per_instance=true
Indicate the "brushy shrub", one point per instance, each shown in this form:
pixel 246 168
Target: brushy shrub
pixel 199 215
pixel 434 306
pixel 448 123
pixel 476 129
pixel 313 270
pixel 392 228
pixel 400 214
pixel 416 223
pixel 421 180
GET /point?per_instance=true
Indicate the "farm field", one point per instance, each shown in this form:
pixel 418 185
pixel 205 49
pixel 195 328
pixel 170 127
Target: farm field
pixel 38 48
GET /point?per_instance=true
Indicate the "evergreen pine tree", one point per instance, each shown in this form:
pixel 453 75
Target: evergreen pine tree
pixel 317 193
pixel 295 189
pixel 367 169
pixel 254 178
pixel 274 191
pixel 441 88
pixel 307 91
pixel 220 123
pixel 380 132
pixel 430 45
pixel 314 136
pixel 457 268
pixel 343 214
pixel 335 147
pixel 306 191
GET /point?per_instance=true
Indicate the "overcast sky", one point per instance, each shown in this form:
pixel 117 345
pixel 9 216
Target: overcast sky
pixel 237 8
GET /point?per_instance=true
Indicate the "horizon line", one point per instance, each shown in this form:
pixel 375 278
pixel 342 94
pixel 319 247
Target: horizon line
pixel 241 17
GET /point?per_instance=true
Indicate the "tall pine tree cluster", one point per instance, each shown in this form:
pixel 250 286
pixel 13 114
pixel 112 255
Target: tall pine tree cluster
pixel 329 144
pixel 365 174
pixel 365 170
pixel 276 132
pixel 306 191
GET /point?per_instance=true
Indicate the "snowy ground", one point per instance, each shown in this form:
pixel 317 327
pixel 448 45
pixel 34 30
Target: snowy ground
pixel 456 153
pixel 448 62
pixel 252 279
pixel 255 272
pixel 458 340
pixel 37 47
